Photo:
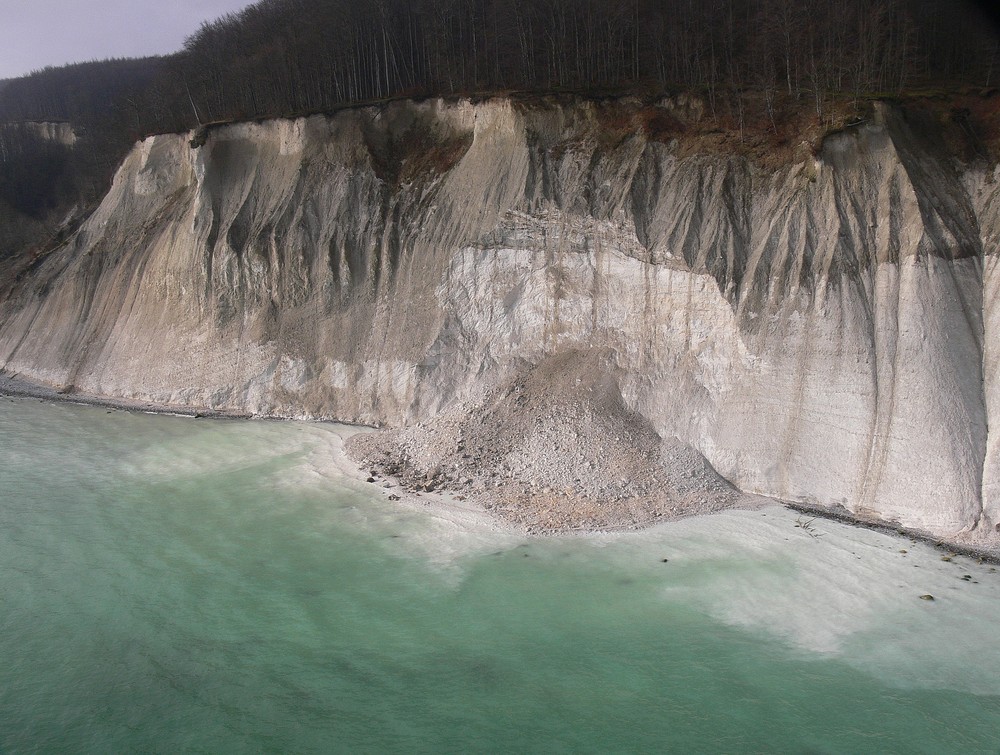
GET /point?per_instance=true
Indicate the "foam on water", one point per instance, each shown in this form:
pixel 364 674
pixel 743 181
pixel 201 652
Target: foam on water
pixel 825 588
pixel 833 589
pixel 172 584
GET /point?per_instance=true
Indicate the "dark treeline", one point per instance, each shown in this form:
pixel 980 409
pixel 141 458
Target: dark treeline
pixel 288 57
pixel 92 93
pixel 36 179
pixel 280 57
pixel 34 176
pixel 42 179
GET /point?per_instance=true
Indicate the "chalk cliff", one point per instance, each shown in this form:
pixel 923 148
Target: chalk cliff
pixel 822 328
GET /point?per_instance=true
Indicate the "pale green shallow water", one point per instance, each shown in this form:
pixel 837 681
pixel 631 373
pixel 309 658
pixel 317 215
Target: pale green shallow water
pixel 174 585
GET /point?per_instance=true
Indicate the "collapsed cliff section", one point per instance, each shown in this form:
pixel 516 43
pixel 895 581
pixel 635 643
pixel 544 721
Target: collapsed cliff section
pixel 554 449
pixel 816 322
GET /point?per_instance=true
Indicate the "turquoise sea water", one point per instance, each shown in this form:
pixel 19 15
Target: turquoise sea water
pixel 179 585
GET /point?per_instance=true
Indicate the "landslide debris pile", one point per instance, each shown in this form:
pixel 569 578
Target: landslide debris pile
pixel 553 449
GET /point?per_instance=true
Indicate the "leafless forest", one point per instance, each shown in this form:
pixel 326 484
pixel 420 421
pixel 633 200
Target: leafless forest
pixel 748 58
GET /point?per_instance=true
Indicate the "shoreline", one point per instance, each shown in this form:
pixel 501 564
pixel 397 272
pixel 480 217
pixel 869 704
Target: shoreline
pixel 14 386
pixel 984 554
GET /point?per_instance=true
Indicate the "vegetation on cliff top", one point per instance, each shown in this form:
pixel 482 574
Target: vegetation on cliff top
pixel 756 63
pixel 280 57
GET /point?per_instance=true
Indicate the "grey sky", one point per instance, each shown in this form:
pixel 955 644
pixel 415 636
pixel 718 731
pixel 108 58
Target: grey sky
pixel 37 33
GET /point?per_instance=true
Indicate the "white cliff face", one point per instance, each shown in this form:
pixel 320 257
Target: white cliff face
pixel 821 332
pixel 52 131
pixel 984 188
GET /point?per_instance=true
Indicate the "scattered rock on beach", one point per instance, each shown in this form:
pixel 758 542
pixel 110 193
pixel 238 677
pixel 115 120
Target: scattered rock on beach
pixel 554 448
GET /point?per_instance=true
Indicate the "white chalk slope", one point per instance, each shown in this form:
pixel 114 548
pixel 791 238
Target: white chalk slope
pixel 821 332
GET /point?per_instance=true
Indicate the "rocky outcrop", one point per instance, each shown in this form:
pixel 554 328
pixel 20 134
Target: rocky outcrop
pixel 820 330
pixel 53 131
